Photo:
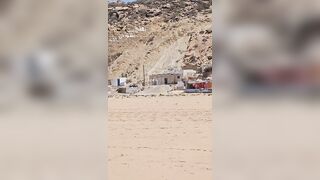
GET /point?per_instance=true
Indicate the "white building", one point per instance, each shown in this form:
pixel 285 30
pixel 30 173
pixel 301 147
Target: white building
pixel 166 78
pixel 118 82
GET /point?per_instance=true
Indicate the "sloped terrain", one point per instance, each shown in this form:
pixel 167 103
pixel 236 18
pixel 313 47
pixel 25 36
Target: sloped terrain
pixel 158 35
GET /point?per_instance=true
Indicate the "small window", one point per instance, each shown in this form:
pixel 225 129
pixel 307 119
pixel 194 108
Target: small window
pixel 178 77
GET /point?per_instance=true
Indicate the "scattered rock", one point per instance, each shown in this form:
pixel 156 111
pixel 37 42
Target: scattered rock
pixel 163 23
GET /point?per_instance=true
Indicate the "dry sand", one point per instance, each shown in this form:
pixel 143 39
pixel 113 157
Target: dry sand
pixel 160 138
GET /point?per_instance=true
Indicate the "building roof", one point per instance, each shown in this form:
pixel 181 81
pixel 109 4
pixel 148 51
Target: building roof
pixel 198 81
pixel 171 71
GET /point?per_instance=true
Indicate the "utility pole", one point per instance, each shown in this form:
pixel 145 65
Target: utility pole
pixel 144 76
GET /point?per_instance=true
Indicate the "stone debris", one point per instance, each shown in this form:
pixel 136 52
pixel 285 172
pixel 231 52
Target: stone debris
pixel 143 32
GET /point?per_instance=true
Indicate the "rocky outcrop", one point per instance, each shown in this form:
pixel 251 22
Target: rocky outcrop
pixel 199 51
pixel 141 33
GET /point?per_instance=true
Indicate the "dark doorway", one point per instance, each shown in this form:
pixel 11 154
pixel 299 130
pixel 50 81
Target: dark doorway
pixel 165 80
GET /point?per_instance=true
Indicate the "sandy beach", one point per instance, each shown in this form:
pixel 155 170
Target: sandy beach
pixel 160 138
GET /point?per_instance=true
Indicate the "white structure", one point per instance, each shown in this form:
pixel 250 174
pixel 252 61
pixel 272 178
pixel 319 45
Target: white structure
pixel 119 82
pixel 164 79
pixel 187 73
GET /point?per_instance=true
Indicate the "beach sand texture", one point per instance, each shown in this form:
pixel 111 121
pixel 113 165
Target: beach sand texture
pixel 160 138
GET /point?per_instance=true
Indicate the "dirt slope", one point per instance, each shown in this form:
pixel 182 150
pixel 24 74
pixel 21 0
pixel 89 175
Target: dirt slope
pixel 159 35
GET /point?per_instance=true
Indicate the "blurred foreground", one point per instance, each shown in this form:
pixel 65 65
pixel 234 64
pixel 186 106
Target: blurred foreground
pixel 268 47
pixel 267 82
pixel 52 81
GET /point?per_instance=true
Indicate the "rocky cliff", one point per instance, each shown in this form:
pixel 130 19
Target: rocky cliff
pixel 158 35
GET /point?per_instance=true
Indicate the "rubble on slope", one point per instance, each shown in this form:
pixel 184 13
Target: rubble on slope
pixel 140 32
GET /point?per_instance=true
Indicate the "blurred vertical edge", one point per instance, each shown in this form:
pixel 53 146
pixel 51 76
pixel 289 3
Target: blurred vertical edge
pixel 53 101
pixel 266 95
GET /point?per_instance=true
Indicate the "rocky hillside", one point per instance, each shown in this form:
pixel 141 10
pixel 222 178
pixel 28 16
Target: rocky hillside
pixel 158 35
